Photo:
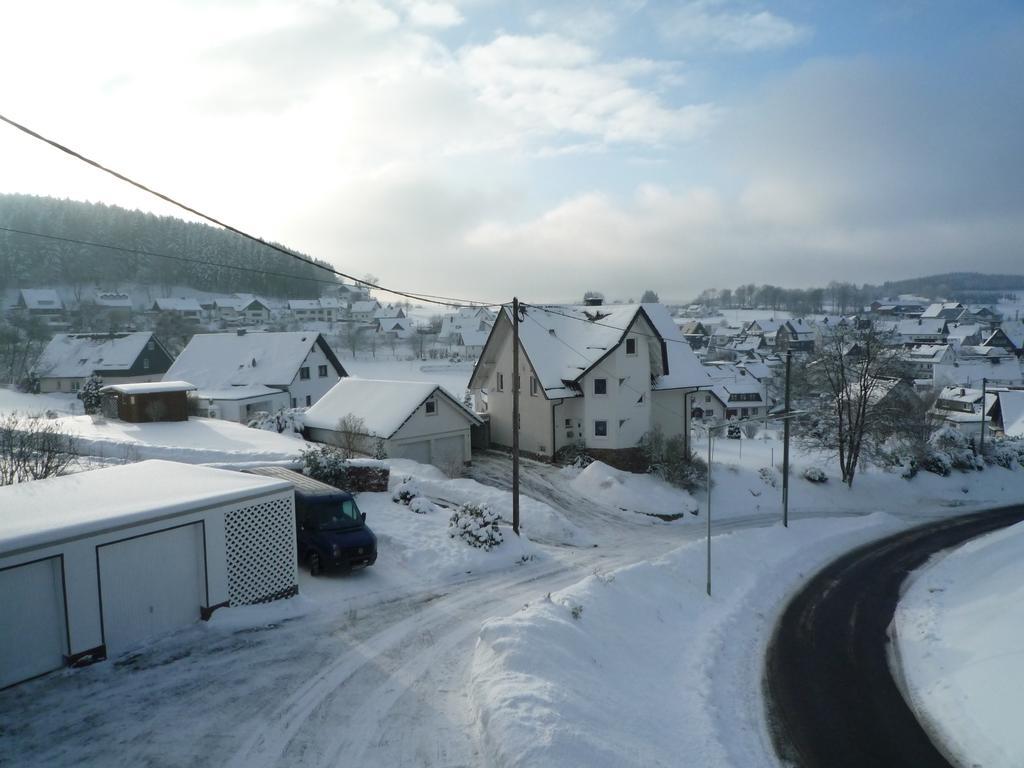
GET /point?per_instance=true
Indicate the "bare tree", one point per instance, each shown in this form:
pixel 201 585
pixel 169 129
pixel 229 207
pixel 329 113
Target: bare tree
pixel 33 448
pixel 852 390
pixel 352 435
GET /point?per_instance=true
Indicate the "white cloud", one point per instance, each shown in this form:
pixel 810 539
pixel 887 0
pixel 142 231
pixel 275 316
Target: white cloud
pixel 718 26
pixel 433 14
pixel 547 85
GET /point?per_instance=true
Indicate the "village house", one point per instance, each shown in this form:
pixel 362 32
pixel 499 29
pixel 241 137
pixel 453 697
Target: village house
pixel 364 311
pixel 404 419
pixel 70 359
pixel 951 311
pixel 919 361
pixel 239 373
pixel 964 408
pixel 1009 336
pixel 186 309
pixel 1008 413
pixel 695 332
pixel 923 331
pixel 43 304
pixel 114 307
pixel 146 402
pixel 597 377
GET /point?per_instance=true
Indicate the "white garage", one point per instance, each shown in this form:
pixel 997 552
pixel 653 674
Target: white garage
pixel 414 420
pixel 94 564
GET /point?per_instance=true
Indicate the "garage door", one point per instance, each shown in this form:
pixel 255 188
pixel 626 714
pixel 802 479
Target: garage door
pixel 151 585
pixel 32 630
pixel 416 451
pixel 448 451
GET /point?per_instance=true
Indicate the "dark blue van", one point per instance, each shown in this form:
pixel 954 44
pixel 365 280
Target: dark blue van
pixel 331 532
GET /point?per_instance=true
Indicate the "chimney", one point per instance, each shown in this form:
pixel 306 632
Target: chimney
pixel 240 331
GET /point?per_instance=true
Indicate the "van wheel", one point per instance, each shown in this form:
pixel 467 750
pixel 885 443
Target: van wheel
pixel 315 567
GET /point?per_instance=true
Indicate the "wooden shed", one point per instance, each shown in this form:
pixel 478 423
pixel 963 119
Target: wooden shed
pixel 146 402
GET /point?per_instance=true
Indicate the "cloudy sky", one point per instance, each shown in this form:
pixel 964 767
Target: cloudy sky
pixel 482 148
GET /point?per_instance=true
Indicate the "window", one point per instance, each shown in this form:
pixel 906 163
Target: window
pixel 150 346
pixel 600 428
pixel 304 373
pixel 707 398
pixel 600 386
pixel 533 387
pixel 145 363
pixel 321 371
pixel 501 382
pixel 309 400
pixel 293 402
pixel 431 406
pixel 630 346
pixel 74 386
pixel 568 423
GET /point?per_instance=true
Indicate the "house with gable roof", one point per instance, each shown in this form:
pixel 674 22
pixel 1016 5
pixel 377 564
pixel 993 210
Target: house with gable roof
pixel 239 373
pixel 600 377
pixel 71 358
pixel 44 304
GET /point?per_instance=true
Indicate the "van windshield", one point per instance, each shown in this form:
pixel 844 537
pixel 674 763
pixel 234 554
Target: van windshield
pixel 330 516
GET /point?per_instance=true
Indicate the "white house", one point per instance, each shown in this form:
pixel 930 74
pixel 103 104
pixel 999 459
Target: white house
pixel 964 408
pixel 239 373
pixel 920 360
pixel 923 331
pixel 596 376
pixel 71 358
pixel 42 303
pixel 363 311
pixel 93 564
pixel 185 308
pixel 414 420
pixel 1011 412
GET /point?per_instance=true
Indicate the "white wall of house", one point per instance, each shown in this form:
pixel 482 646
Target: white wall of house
pixel 58 384
pixel 243 410
pixel 626 408
pixel 447 422
pixel 316 385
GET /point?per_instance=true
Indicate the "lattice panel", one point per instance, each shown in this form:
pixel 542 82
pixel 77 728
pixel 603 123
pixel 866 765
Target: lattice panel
pixel 261 552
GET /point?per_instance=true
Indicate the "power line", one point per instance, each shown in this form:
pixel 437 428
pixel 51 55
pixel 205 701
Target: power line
pixel 429 298
pixel 603 325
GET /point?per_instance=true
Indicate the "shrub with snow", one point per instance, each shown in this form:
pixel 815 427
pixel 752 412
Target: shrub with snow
pixel 815 475
pixel 767 475
pixel 326 464
pixel 421 505
pixel 90 395
pixel 477 525
pixel 286 420
pixel 406 491
pixel 1006 453
pixel 669 459
pixel 957 452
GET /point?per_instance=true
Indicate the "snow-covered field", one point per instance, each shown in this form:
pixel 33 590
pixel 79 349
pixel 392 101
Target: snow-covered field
pixel 12 401
pixel 958 632
pixel 196 441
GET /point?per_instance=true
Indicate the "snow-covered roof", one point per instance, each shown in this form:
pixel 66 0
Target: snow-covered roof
pixel 41 298
pixel 40 511
pixel 363 307
pixel 960 395
pixel 304 304
pixel 943 310
pixel 1014 331
pixel 917 327
pixel 469 338
pixel 245 392
pixel 765 326
pixel 222 360
pixel 927 353
pixel 149 388
pixel 962 331
pixel 114 300
pixel 76 355
pixel 1011 404
pixel 384 406
pixel 177 305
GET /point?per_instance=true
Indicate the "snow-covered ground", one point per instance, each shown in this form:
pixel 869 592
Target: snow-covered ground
pixel 958 632
pixel 12 401
pixel 426 657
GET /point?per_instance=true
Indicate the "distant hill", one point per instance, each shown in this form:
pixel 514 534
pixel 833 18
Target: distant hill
pixel 969 286
pixel 33 261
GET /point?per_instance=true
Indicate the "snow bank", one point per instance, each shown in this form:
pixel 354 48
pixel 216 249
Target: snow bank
pixel 539 521
pixel 639 667
pixel 631 492
pixel 958 634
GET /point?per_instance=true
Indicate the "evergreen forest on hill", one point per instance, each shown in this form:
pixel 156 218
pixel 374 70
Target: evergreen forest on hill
pixel 27 261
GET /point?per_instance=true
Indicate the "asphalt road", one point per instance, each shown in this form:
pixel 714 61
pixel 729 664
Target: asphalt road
pixel 831 696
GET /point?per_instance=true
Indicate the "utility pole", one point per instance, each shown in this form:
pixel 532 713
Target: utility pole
pixel 785 445
pixel 984 397
pixel 710 430
pixel 515 416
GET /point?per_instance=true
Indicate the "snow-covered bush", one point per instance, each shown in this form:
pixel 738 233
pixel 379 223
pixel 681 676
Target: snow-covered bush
pixel 421 505
pixel 670 460
pixel 284 420
pixel 815 475
pixel 908 467
pixel 574 455
pixel 406 491
pixel 380 451
pixel 767 475
pixel 954 444
pixel 326 464
pixel 936 462
pixel 477 525
pixel 1006 453
pixel 90 395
